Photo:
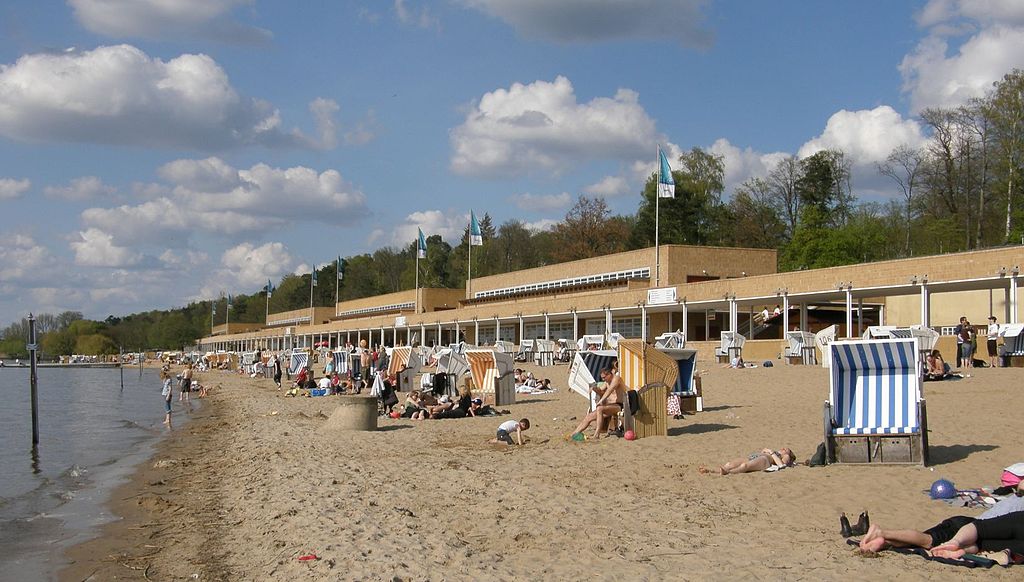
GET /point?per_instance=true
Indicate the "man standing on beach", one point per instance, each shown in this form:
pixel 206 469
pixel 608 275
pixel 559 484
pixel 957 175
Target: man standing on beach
pixel 993 336
pixel 365 366
pixel 186 383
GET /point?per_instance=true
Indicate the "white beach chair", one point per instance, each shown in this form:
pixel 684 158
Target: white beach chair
pixel 801 344
pixel 673 339
pixel 822 339
pixel 586 369
pixel 1013 341
pixel 731 346
pixel 525 353
pixel 544 352
pixel 875 412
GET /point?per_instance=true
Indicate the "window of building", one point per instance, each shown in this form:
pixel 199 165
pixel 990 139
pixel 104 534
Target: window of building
pixel 630 327
pixel 643 273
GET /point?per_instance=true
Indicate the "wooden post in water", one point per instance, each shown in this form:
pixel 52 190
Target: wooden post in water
pixel 33 380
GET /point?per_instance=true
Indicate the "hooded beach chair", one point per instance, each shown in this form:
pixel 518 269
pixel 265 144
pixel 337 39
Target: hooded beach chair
pixel 822 339
pixel 586 369
pixel 590 343
pixel 731 346
pixel 248 361
pixel 492 374
pixel 525 353
pixel 686 388
pixel 875 412
pixel 564 352
pixel 651 374
pixel 1013 340
pixel 544 352
pixel 800 344
pixel 299 359
pixel 451 367
pixel 404 365
pixel 672 339
pixel 504 346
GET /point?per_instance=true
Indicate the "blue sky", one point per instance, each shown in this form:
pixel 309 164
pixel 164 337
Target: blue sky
pixel 156 152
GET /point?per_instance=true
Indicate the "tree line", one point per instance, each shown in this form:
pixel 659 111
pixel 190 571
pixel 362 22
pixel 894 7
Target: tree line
pixel 961 190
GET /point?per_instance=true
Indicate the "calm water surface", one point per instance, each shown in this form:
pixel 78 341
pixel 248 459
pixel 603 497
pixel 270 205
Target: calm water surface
pixel 91 435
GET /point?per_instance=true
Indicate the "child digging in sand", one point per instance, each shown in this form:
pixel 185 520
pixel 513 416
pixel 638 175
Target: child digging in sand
pixel 508 427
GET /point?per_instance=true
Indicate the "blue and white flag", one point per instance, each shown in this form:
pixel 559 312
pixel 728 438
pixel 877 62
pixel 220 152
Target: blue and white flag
pixel 229 301
pixel 269 289
pixel 421 245
pixel 314 275
pixel 476 238
pixel 213 308
pixel 666 185
pixel 341 268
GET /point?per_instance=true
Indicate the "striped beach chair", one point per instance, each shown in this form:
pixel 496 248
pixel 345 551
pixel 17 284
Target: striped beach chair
pixel 875 412
pixel 586 369
pixel 299 359
pixel 404 365
pixel 492 374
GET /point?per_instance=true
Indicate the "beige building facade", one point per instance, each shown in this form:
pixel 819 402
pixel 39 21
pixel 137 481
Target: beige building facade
pixel 643 293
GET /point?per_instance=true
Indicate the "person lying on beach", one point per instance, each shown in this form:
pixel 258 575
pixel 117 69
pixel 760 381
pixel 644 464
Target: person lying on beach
pixel 1003 535
pixel 609 404
pixel 878 539
pixel 478 408
pixel 508 428
pixel 760 461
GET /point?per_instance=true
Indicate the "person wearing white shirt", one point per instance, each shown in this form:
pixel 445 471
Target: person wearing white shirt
pixel 993 335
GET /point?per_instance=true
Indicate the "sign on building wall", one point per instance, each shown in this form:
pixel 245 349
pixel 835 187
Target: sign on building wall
pixel 400 321
pixel 661 296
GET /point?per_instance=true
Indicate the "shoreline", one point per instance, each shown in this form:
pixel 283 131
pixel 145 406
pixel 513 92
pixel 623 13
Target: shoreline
pixel 254 481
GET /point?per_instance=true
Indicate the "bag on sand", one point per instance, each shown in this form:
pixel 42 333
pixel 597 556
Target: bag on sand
pixel 818 458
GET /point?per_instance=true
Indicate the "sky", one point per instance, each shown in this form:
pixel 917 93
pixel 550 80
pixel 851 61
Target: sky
pixel 159 152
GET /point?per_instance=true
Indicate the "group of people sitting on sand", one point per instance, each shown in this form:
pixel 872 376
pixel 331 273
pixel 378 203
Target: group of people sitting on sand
pixel 425 405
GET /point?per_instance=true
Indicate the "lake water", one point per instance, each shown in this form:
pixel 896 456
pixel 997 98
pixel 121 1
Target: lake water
pixel 91 436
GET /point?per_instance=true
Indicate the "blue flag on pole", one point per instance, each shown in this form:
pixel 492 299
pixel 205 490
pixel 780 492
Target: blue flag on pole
pixel 666 185
pixel 314 275
pixel 476 238
pixel 269 288
pixel 213 308
pixel 341 269
pixel 229 301
pixel 421 245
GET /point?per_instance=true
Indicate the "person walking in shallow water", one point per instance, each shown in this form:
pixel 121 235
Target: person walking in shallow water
pixel 186 384
pixel 168 395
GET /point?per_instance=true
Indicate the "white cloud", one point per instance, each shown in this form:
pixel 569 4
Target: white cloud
pixel 933 77
pixel 23 259
pixel 608 187
pixel 541 126
pixel 84 188
pixel 247 267
pixel 119 95
pixel 211 196
pixel 866 136
pixel 741 164
pixel 589 21
pixel 97 249
pixel 11 188
pixel 408 16
pixel 541 202
pixel 450 225
pixel 164 19
pixel 540 225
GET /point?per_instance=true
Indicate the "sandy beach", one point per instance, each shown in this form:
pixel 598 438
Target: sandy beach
pixel 255 481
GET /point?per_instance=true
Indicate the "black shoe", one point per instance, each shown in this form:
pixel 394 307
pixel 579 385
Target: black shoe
pixel 844 526
pixel 863 523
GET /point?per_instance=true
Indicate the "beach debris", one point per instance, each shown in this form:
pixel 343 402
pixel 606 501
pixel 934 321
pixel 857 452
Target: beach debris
pixel 308 557
pixel 164 463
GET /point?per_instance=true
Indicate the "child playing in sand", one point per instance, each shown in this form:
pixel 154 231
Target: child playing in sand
pixel 506 429
pixel 760 461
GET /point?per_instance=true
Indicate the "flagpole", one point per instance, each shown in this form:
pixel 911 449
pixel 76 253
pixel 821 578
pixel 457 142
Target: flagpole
pixel 267 320
pixel 312 279
pixel 657 212
pixel 337 286
pixel 417 302
pixel 469 262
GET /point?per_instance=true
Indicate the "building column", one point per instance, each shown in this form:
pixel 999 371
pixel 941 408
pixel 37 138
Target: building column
pixel 547 327
pixel 1014 308
pixel 522 328
pixel 860 316
pixel 476 331
pixel 607 320
pixel 926 307
pixel 785 313
pixel 643 322
pixel 497 328
pixel 457 339
pixel 686 321
pixel 575 325
pixel 849 312
pixel 707 325
pixel 423 334
pixel 439 342
pixel 803 316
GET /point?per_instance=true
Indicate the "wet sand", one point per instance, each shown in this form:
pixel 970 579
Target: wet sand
pixel 255 481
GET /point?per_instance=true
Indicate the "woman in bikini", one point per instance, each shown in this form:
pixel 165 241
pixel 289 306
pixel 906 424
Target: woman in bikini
pixel 760 461
pixel 609 403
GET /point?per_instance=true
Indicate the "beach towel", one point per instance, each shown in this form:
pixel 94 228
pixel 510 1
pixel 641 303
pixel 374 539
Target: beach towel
pixel 1012 475
pixel 968 561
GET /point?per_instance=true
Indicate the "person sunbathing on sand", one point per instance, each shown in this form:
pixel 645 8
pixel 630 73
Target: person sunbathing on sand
pixel 940 536
pixel 760 461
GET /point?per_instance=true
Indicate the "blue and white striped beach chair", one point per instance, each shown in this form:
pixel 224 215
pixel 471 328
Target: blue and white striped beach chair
pixel 875 412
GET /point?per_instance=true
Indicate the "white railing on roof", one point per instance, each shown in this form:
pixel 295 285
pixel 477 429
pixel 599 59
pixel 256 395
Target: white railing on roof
pixel 379 308
pixel 643 273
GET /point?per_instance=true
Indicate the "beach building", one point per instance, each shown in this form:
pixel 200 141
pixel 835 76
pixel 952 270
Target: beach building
pixel 701 291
